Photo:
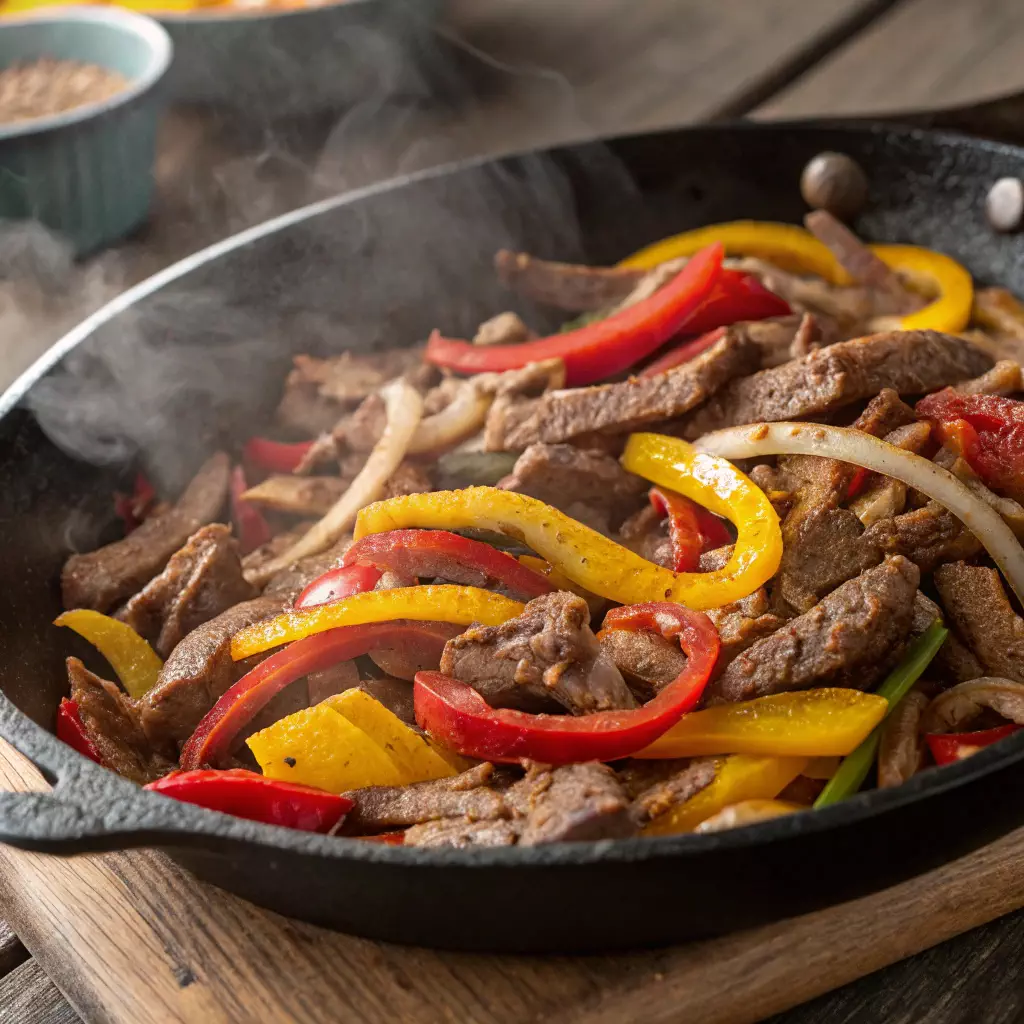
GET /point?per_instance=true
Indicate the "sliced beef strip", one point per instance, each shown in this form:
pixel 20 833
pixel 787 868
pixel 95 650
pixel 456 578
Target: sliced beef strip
pixel 647 661
pixel 110 719
pixel 572 287
pixel 842 641
pixel 462 834
pixel 112 573
pixel 348 378
pixel 467 796
pixel 575 802
pixel 303 411
pixel 196 675
pixel 927 536
pixel 408 478
pixel 636 402
pixel 330 681
pixel 741 624
pixel 680 781
pixel 563 476
pixel 309 496
pixel 200 581
pixel 782 338
pixel 858 260
pixel 982 616
pixel 361 429
pixel 516 398
pixel 955 663
pixel 909 362
pixel 822 544
pixel 646 533
pixel 547 655
pixel 1003 379
pixel 422 654
pixel 289 583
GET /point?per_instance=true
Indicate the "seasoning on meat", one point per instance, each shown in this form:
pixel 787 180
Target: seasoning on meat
pixel 546 655
pixel 909 362
pixel 200 581
pixel 676 783
pixel 842 641
pixel 637 402
pixel 981 614
pixel 102 578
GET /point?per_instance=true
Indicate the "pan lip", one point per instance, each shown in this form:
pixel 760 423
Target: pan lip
pixel 197 823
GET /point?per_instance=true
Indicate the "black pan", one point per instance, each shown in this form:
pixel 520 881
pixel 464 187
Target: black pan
pixel 194 357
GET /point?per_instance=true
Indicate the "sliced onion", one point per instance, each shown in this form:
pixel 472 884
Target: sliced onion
pixel 955 708
pixel 404 407
pixel 861 449
pixel 462 417
pixel 748 812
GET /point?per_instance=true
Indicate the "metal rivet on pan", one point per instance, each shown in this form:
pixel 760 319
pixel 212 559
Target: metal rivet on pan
pixel 834 182
pixel 1004 204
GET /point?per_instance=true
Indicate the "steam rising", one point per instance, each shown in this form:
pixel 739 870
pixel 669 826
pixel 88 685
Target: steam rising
pixel 200 362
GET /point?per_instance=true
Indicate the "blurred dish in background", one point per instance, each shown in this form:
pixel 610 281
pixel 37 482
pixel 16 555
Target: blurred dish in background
pixel 159 7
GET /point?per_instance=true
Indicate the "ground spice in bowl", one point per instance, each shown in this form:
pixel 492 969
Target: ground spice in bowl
pixel 46 87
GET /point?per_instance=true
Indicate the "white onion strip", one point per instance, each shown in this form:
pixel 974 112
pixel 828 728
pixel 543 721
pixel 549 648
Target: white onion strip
pixel 462 417
pixel 403 407
pixel 861 449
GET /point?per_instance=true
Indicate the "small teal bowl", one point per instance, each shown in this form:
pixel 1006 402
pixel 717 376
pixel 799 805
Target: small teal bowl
pixel 87 173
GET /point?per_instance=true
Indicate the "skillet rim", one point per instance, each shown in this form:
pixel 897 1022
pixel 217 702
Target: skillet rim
pixel 162 819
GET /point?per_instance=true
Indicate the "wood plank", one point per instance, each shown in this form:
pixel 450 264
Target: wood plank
pixel 27 996
pixel 130 937
pixel 923 54
pixel 12 952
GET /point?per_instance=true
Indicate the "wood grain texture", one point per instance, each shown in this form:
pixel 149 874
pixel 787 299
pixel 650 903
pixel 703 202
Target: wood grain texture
pixel 923 54
pixel 130 937
pixel 12 952
pixel 27 996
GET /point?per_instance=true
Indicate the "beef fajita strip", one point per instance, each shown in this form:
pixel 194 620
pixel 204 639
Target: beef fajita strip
pixel 102 578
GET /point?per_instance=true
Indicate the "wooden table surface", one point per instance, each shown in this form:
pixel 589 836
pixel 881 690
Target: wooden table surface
pixel 537 72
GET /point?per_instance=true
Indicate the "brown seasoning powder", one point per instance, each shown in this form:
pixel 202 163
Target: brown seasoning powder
pixel 47 87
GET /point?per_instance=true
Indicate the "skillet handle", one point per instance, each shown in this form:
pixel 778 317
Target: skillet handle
pixel 35 817
pixel 1000 119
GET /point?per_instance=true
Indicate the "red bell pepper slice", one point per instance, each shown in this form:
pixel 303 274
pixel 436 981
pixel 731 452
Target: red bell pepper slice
pixel 987 430
pixel 683 353
pixel 457 716
pixel 430 554
pixel 275 456
pixel 691 528
pixel 212 740
pixel 736 296
pixel 597 350
pixel 949 747
pixel 253 529
pixel 71 730
pixel 132 508
pixel 335 584
pixel 250 795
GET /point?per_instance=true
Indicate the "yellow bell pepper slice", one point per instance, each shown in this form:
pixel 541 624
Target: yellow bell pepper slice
pixel 935 275
pixel 136 663
pixel 442 603
pixel 795 249
pixel 787 246
pixel 319 747
pixel 590 559
pixel 416 759
pixel 826 722
pixel 737 778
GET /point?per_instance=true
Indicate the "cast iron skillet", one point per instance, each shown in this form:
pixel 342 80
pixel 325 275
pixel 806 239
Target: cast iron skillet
pixel 195 356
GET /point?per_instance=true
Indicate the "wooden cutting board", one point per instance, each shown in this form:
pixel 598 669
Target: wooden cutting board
pixel 129 937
